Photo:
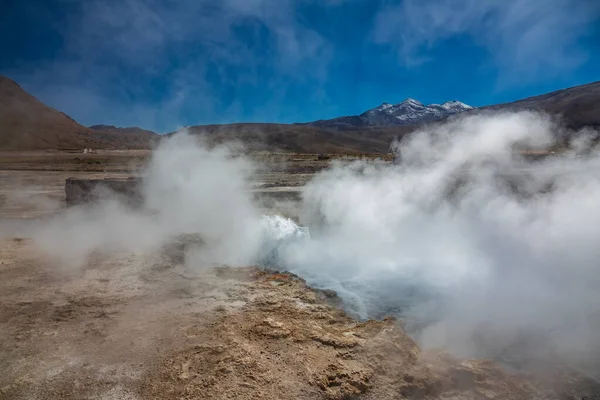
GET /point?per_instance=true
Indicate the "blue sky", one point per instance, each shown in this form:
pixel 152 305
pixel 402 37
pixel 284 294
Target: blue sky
pixel 163 64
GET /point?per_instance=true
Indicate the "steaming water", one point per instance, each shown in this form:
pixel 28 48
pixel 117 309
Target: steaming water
pixel 277 234
pixel 363 296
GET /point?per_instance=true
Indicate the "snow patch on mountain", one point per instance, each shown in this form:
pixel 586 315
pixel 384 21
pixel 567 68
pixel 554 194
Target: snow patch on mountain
pixel 412 111
pixel 408 112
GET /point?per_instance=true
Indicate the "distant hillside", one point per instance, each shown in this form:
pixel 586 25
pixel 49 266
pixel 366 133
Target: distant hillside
pixel 133 134
pixel 579 105
pixel 301 138
pixel 133 130
pixel 28 124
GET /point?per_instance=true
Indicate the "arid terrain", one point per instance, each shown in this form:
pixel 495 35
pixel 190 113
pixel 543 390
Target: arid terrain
pixel 155 325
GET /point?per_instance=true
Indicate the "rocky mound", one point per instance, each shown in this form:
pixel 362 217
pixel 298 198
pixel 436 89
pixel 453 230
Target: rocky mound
pixel 290 341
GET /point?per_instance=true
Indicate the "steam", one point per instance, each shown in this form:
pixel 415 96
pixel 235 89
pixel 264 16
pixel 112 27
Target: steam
pixel 187 189
pixel 518 37
pixel 479 249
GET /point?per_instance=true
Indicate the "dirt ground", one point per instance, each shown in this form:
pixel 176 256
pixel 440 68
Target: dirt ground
pixel 156 325
pixel 32 184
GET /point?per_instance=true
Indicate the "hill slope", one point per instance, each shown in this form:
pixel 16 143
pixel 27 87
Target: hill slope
pixel 301 138
pixel 579 105
pixel 135 137
pixel 132 130
pixel 28 124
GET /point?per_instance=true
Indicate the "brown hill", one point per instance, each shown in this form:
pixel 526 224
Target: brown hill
pixel 301 138
pixel 579 106
pixel 131 130
pixel 28 124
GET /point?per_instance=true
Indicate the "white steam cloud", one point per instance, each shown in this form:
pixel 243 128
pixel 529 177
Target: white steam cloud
pixel 480 250
pixel 187 189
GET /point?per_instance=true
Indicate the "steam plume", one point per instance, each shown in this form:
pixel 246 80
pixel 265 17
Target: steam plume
pixel 481 250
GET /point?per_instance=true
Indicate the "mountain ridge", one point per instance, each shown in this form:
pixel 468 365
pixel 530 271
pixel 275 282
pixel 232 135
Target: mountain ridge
pixel 577 107
pixel 28 124
pixel 126 130
pixel 407 112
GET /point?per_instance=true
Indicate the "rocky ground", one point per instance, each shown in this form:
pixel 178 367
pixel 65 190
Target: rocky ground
pixel 158 325
pixel 146 326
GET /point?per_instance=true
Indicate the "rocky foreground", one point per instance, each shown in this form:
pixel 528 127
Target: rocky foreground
pixel 158 326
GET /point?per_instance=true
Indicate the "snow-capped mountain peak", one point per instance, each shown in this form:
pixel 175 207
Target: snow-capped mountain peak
pixel 407 112
pixel 384 106
pixel 411 102
pixel 411 111
pixel 456 105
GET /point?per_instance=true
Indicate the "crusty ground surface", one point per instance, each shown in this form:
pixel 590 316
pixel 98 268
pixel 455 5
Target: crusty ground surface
pixel 151 326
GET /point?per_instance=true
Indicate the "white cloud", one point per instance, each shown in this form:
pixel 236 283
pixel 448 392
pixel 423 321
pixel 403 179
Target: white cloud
pixel 526 38
pixel 113 50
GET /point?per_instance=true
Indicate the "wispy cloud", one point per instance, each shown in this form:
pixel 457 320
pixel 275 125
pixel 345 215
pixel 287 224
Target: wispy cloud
pixel 144 60
pixel 161 64
pixel 525 38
